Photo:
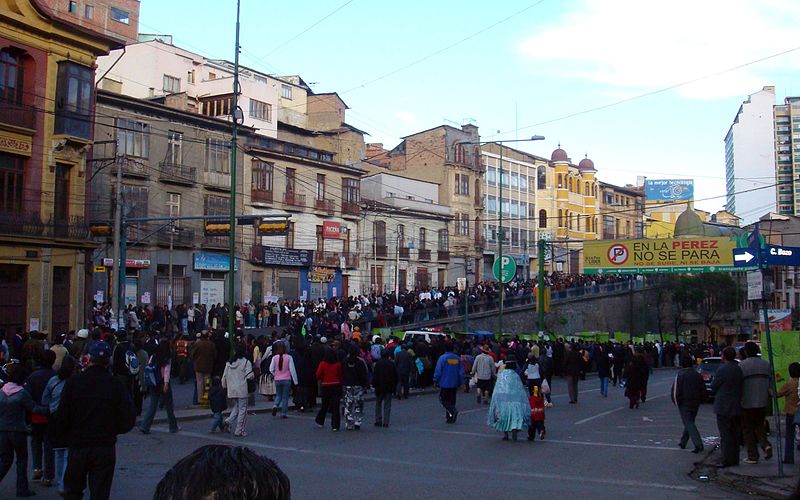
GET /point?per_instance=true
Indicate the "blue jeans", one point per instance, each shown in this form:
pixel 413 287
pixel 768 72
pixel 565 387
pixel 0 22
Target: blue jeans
pixel 217 422
pixel 156 395
pixel 282 395
pixel 61 466
pixel 604 386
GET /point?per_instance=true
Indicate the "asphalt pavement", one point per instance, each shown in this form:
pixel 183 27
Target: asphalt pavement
pixel 597 448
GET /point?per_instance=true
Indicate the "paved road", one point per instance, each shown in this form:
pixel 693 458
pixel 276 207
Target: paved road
pixel 595 449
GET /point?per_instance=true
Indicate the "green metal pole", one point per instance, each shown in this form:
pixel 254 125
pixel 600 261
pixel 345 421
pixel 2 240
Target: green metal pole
pixel 466 297
pixel 768 334
pixel 232 220
pixel 500 243
pixel 540 294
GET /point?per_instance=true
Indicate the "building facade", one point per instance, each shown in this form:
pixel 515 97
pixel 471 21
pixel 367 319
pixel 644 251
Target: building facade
pixel 47 68
pixel 405 234
pixel 450 158
pixel 174 163
pixel 749 157
pixel 621 212
pixel 787 155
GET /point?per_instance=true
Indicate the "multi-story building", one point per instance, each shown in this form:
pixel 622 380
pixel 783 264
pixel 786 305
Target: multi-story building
pixel 405 233
pixel 47 70
pixel 173 163
pixel 787 155
pixel 118 19
pixel 621 212
pixel 749 157
pixel 450 157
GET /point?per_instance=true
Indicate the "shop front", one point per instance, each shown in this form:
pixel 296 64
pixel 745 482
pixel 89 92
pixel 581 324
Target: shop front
pixel 213 269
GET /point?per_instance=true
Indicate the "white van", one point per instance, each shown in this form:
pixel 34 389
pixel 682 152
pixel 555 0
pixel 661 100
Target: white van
pixel 426 335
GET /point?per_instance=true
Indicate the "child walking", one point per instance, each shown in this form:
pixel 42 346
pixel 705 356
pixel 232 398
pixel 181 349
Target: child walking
pixel 537 414
pixel 218 400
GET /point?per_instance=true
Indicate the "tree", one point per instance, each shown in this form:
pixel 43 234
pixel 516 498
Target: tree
pixel 685 295
pixel 719 292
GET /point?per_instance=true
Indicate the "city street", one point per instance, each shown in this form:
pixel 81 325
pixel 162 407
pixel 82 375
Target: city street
pixel 595 449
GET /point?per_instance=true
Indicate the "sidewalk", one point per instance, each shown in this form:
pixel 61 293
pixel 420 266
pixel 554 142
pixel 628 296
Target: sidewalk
pixel 186 411
pixel 759 479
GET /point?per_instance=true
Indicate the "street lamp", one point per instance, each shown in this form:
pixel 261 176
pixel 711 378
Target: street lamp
pixel 500 218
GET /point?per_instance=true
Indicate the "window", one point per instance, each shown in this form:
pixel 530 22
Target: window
pixel 172 85
pixel 262 175
pixel 74 100
pixel 11 72
pixel 320 186
pixel 218 156
pixel 286 91
pixel 290 236
pixel 491 204
pixel 570 184
pixel 542 219
pixel 72 8
pixel 218 106
pixel 133 138
pixel 541 178
pixel 587 191
pixel 320 241
pixel 260 110
pixel 514 208
pixel 379 228
pixel 560 218
pixel 351 190
pixel 120 15
pixel 11 182
pixel 174 147
pixel 531 211
pixel 88 11
pixel 514 237
pixel 291 177
pixel 514 180
pixel 444 240
pixel 190 77
pixel 401 236
pixel 504 178
pixel 608 227
pixel 422 238
pixel 462 225
pixel 134 199
pixel 212 76
pixel 462 184
pixel 523 182
pixel 560 181
pixel 174 204
pixel 491 176
pixel 216 205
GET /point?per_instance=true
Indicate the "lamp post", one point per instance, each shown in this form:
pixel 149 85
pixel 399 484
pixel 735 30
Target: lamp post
pixel 236 114
pixel 500 215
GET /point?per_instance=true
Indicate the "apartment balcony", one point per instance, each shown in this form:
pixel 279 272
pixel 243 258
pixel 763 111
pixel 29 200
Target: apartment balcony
pixel 380 251
pixel 351 209
pixel 327 206
pixel 218 242
pixel 217 180
pixel 30 224
pixel 260 196
pixel 424 254
pixel 180 237
pixel 443 256
pixel 404 252
pixel 18 115
pixel 294 200
pixel 132 167
pixel 176 173
pixel 334 259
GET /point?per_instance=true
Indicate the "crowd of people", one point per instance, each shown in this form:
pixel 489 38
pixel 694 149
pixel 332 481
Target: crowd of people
pixel 366 311
pixel 319 361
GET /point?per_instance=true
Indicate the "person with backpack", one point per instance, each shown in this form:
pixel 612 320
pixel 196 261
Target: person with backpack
pixel 41 451
pixel 124 364
pixel 52 398
pixel 157 379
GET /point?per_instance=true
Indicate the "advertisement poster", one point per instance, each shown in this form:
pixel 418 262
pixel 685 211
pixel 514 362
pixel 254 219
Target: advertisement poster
pixel 780 320
pixel 684 255
pixel 669 189
pixel 786 350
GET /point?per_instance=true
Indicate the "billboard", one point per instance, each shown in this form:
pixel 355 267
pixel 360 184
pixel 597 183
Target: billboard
pixel 682 255
pixel 669 190
pixel 780 320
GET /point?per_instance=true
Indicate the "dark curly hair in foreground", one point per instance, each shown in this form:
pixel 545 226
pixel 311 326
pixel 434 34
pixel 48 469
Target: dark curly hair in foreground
pixel 218 472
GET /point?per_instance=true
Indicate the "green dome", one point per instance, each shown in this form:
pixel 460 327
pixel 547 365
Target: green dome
pixel 689 224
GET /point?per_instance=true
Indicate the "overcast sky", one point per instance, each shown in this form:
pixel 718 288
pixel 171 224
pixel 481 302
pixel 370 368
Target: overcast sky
pixel 518 68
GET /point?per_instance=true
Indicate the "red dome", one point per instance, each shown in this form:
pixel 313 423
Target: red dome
pixel 559 155
pixel 586 164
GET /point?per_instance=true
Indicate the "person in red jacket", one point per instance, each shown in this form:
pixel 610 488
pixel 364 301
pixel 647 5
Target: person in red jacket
pixel 536 401
pixel 329 373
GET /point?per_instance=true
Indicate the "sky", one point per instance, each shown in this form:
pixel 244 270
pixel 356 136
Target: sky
pixel 642 88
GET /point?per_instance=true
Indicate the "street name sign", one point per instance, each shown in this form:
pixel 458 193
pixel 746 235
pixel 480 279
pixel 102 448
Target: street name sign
pixel 775 255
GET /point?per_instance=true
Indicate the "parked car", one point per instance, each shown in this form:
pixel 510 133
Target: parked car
pixel 708 368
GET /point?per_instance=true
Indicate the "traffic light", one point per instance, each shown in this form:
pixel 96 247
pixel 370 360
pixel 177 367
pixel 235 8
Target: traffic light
pixel 217 227
pixel 100 229
pixel 272 227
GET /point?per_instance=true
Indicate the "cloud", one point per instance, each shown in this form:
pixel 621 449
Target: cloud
pixel 406 117
pixel 641 45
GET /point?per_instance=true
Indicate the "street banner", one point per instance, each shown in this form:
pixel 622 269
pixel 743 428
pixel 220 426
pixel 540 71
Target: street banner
pixel 674 255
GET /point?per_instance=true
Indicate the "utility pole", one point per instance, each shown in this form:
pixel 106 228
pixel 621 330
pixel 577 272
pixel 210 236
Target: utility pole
pixel 170 301
pixel 397 268
pixel 540 288
pixel 117 302
pixel 232 242
pixel 500 242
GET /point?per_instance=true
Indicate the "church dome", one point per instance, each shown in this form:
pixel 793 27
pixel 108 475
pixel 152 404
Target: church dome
pixel 586 164
pixel 559 155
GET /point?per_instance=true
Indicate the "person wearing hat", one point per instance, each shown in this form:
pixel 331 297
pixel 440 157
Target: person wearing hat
pixel 94 409
pixel 483 372
pixel 81 338
pixel 59 349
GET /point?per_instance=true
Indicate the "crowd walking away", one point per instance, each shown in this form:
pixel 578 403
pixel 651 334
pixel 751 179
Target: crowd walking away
pixel 67 397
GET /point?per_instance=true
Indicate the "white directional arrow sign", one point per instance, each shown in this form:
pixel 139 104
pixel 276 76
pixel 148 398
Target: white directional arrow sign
pixel 743 257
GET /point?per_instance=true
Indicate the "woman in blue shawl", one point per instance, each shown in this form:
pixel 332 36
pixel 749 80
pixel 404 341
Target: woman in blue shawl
pixel 509 410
